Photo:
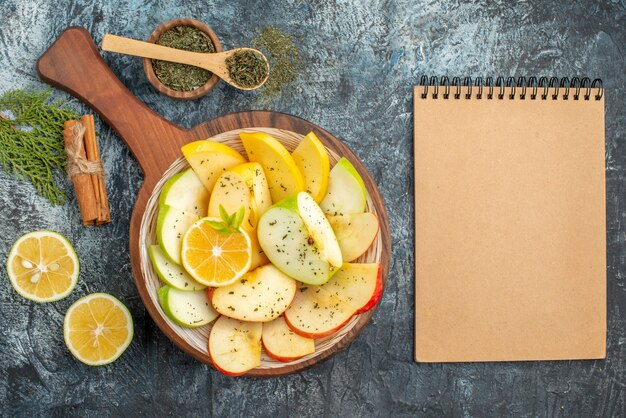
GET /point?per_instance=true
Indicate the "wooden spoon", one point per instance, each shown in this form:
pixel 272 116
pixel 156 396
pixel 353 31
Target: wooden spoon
pixel 214 62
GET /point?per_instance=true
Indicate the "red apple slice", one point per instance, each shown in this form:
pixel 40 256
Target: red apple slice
pixel 355 233
pixel 378 290
pixel 259 296
pixel 235 346
pixel 282 344
pixel 318 311
pixel 359 285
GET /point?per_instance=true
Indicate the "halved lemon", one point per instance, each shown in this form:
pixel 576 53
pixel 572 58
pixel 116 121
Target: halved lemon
pixel 215 258
pixel 97 329
pixel 42 266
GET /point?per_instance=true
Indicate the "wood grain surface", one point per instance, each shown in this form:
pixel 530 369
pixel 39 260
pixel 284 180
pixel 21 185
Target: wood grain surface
pixel 74 64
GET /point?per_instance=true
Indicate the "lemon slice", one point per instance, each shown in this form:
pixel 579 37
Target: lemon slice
pixel 97 329
pixel 215 258
pixel 42 266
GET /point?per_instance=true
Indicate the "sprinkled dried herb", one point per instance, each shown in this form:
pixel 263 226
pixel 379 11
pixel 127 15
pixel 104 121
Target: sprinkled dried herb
pixel 284 57
pixel 182 77
pixel 31 143
pixel 246 68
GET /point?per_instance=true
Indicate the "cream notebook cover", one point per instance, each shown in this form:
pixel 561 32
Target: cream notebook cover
pixel 510 232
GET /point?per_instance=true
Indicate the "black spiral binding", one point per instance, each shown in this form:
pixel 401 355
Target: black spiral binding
pixel 521 88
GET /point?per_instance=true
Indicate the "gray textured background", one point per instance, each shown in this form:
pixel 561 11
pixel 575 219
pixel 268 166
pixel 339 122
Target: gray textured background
pixel 363 57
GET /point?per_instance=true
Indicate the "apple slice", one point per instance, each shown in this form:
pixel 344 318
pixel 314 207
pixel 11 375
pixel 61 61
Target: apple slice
pixel 283 176
pixel 209 159
pixel 172 223
pixel 232 193
pixel 282 344
pixel 319 311
pixel 244 185
pixel 260 296
pixel 312 159
pixel 185 191
pixel 187 309
pixel 171 273
pixel 298 239
pixel 346 190
pixel 355 233
pixel 359 284
pixel 260 196
pixel 235 346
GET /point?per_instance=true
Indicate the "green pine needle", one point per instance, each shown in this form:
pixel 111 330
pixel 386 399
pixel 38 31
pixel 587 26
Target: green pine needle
pixel 31 142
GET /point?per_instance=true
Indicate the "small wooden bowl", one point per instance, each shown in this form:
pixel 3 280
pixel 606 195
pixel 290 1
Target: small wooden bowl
pixel 154 80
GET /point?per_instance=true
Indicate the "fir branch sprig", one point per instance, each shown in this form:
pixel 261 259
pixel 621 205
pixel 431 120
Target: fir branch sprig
pixel 230 223
pixel 31 141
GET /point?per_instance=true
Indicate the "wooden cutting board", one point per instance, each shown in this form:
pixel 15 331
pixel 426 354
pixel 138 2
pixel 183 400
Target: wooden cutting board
pixel 73 63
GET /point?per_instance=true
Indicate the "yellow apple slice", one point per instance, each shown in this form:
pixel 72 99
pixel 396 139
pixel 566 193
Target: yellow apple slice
pixel 254 177
pixel 244 185
pixel 283 176
pixel 312 159
pixel 209 159
pixel 260 296
pixel 231 191
pixel 235 346
pixel 282 344
pixel 355 233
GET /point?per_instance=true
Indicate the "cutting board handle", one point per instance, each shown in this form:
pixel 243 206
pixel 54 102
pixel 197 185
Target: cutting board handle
pixel 74 64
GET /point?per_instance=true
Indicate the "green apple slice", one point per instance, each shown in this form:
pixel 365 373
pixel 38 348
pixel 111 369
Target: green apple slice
pixel 298 239
pixel 171 273
pixel 172 223
pixel 319 229
pixel 260 296
pixel 346 190
pixel 187 309
pixel 185 191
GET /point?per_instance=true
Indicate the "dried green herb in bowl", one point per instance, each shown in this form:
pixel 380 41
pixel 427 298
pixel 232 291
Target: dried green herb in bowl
pixel 247 68
pixel 181 77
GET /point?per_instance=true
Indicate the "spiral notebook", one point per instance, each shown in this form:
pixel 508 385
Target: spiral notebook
pixel 510 232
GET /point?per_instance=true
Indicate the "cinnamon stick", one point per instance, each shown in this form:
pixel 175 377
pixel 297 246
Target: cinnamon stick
pixel 91 149
pixel 83 186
